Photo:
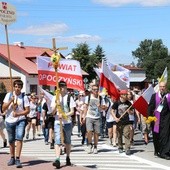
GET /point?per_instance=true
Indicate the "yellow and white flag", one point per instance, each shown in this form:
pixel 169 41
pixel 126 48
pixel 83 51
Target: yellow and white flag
pixel 163 78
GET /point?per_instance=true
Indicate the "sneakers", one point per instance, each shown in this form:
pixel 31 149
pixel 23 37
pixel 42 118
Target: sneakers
pixel 89 149
pixel 114 145
pixel 110 142
pixel 46 143
pixel 95 150
pixel 120 150
pixel 128 152
pixel 27 136
pixel 52 145
pixel 68 163
pixel 56 163
pixel 18 164
pixel 11 162
pixel 5 143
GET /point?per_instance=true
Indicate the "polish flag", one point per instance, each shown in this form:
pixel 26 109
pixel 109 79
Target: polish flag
pixel 107 81
pixel 141 104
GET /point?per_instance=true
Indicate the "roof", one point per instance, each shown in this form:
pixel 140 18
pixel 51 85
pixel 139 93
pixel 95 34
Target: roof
pixel 130 67
pixel 21 56
pixel 137 79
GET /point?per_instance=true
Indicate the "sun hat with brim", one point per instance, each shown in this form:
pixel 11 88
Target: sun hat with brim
pixel 123 92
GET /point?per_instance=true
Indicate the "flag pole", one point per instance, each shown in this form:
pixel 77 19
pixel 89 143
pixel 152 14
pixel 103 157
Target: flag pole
pixel 9 60
pixel 126 111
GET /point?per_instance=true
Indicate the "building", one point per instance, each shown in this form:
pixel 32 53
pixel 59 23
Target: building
pixel 137 77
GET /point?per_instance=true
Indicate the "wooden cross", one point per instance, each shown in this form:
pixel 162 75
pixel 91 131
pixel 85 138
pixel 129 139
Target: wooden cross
pixel 54 49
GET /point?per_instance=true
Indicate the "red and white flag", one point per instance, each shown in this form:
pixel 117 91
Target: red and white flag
pixel 121 72
pixel 68 71
pixel 107 81
pixel 114 75
pixel 141 104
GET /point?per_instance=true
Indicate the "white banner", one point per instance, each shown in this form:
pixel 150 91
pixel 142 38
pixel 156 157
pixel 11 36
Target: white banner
pixel 68 71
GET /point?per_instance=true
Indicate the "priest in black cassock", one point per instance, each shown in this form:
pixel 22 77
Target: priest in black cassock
pixel 159 107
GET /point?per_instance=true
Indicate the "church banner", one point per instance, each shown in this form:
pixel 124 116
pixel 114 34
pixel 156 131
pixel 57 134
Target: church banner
pixel 68 71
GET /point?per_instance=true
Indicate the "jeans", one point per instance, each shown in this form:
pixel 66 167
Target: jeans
pixel 16 130
pixel 46 134
pixel 67 130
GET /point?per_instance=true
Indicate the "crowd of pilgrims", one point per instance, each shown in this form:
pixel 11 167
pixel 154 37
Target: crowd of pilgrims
pixel 41 122
pixel 120 134
pixel 93 114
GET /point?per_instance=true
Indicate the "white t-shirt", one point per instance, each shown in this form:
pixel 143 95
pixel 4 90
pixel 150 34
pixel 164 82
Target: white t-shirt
pixel 33 110
pixel 109 117
pixel 9 113
pixel 66 109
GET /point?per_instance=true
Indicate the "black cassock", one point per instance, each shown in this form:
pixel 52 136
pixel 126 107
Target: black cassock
pixel 161 140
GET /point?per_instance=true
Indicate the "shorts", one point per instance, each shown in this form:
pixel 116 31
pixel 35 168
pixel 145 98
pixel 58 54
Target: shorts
pixel 110 124
pixel 50 122
pixel 29 119
pixel 67 130
pixel 93 125
pixel 16 130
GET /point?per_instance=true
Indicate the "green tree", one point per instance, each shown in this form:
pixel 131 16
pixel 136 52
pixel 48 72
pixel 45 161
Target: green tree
pixel 87 60
pixel 153 56
pixel 99 53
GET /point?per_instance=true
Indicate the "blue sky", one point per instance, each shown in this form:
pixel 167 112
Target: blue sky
pixel 118 26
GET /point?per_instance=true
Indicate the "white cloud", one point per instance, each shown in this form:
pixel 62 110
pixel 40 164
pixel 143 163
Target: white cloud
pixel 46 29
pixel 80 38
pixel 116 3
pixel 74 39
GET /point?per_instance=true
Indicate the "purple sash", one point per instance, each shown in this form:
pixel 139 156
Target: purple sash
pixel 157 114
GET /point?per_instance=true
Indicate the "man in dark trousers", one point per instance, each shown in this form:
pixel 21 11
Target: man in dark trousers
pixel 159 107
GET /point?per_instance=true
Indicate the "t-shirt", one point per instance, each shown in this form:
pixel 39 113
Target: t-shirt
pixel 109 117
pixel 93 107
pixel 120 108
pixel 65 107
pixel 9 113
pixel 33 110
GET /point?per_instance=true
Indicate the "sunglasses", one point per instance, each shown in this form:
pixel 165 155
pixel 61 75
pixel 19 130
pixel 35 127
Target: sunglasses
pixel 95 89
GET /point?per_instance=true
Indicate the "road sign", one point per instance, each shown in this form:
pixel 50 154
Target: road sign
pixel 7 13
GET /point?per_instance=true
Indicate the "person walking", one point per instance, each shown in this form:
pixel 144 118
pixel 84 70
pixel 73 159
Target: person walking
pixel 32 116
pixel 79 104
pixel 92 111
pixel 68 109
pixel 111 125
pixel 48 124
pixel 16 106
pixel 2 127
pixel 159 106
pixel 122 109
